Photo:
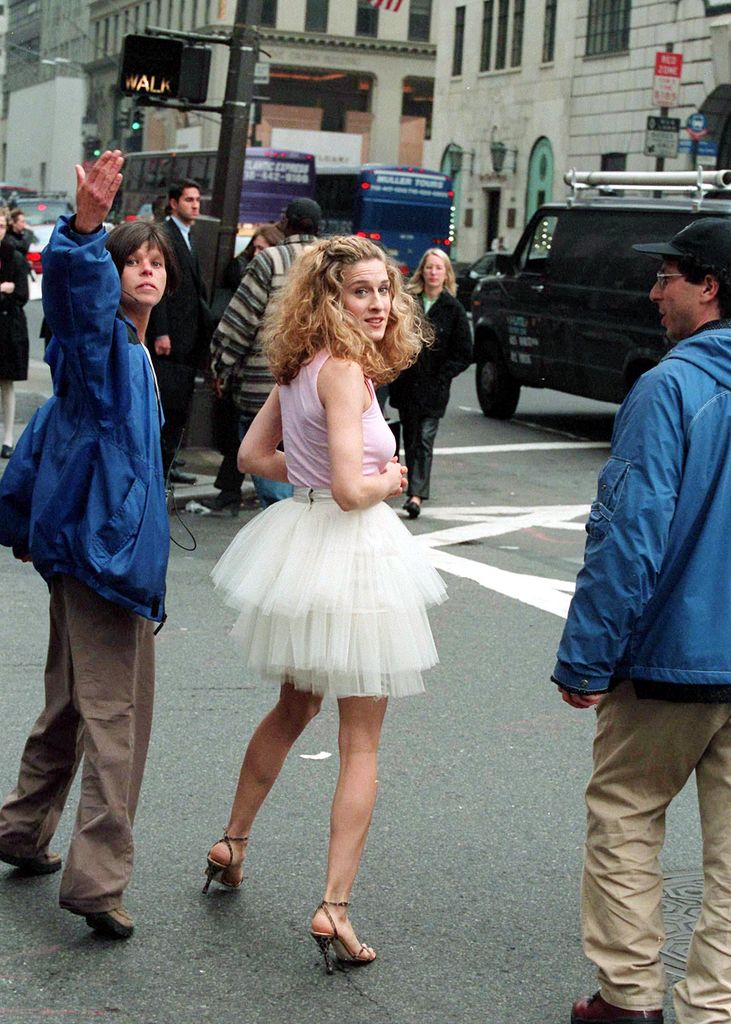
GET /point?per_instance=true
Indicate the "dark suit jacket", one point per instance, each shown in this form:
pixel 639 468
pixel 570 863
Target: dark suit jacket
pixel 425 386
pixel 184 316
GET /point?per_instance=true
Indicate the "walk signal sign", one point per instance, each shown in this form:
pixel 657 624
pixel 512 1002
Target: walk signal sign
pixel 150 66
pixel 164 69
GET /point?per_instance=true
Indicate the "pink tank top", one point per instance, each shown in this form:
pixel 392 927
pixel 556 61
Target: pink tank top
pixel 305 430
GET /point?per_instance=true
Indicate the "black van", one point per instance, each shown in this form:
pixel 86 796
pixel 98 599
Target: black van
pixel 570 310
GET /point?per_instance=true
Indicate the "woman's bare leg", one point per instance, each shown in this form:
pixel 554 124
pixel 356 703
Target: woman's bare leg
pixel 263 760
pixel 361 719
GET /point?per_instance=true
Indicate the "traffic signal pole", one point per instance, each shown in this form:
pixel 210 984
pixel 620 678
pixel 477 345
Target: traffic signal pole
pixel 235 113
pixel 234 130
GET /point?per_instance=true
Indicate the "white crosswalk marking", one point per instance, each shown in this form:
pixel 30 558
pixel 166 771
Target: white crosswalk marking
pixel 550 595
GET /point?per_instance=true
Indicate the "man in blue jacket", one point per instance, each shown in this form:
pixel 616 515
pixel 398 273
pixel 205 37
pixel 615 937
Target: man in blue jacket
pixel 83 498
pixel 648 644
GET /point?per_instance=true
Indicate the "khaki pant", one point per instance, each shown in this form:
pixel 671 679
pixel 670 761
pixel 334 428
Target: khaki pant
pixel 644 752
pixel 99 690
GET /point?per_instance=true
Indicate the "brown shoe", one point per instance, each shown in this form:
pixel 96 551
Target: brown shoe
pixel 595 1010
pixel 115 924
pixel 40 864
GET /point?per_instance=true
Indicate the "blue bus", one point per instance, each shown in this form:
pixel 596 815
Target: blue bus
pixel 407 210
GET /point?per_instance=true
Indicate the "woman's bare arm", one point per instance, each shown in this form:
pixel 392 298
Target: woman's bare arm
pixel 258 452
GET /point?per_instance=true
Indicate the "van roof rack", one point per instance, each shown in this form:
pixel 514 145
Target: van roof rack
pixel 697 183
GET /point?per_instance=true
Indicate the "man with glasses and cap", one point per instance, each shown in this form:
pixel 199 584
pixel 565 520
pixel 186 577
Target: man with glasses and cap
pixel 647 644
pixel 238 364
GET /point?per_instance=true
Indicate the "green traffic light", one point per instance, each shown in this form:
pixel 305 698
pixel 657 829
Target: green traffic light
pixel 97 152
pixel 136 125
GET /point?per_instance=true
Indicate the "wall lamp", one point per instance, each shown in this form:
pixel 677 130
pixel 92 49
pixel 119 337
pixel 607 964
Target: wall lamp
pixel 453 158
pixel 498 153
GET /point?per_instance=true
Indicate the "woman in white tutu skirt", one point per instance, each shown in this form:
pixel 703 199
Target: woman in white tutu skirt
pixel 331 588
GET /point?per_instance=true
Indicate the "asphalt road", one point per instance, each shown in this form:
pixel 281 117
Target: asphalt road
pixel 469 885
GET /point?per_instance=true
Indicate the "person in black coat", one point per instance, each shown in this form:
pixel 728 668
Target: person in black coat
pixel 13 330
pixel 18 232
pixel 421 393
pixel 180 326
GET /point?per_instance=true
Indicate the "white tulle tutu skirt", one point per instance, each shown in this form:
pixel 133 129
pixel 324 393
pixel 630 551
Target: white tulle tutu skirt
pixel 333 602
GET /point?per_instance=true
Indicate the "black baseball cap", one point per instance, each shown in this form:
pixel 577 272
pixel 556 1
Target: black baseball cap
pixel 303 210
pixel 707 239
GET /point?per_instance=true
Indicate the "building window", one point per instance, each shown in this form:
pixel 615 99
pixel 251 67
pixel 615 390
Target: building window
pixel 418 101
pixel 488 11
pixel 458 51
pixel 549 31
pixel 366 19
pixel 420 20
pixel 607 28
pixel 516 49
pixel 316 16
pixel 269 13
pixel 614 162
pixel 501 47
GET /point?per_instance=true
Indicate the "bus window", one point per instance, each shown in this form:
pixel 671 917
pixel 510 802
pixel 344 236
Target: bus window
pixel 335 192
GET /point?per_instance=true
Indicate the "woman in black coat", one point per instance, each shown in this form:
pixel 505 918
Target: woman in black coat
pixel 13 330
pixel 421 393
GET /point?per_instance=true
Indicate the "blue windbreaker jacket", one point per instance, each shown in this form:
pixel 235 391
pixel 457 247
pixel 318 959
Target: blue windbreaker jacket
pixel 653 600
pixel 83 492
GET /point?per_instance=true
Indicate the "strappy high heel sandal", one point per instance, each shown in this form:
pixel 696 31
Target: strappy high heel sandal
pixel 343 953
pixel 225 874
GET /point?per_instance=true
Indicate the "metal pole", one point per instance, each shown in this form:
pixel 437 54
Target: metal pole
pixel 234 131
pixel 664 111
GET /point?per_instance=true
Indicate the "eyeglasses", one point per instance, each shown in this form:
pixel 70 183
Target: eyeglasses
pixel 662 280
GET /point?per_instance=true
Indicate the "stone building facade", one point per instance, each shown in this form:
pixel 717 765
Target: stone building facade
pixel 339 66
pixel 363 76
pixel 546 85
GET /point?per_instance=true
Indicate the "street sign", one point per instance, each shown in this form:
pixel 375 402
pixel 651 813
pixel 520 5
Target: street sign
pixel 165 69
pixel 261 72
pixel 150 65
pixel 697 125
pixel 666 82
pixel 701 147
pixel 661 136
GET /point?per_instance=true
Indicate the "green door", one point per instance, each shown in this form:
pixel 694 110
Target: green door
pixel 540 177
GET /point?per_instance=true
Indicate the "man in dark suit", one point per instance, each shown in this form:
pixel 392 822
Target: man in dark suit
pixel 181 326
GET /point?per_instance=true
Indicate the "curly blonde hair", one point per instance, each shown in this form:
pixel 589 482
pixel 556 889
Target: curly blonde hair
pixel 308 314
pixel 416 281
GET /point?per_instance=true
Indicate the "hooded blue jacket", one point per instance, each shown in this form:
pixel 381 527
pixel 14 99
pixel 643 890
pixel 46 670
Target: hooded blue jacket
pixel 653 599
pixel 83 492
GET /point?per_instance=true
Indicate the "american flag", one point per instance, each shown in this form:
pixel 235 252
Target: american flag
pixel 387 5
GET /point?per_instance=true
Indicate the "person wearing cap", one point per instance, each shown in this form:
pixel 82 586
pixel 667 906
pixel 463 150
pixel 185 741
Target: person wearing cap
pixel 238 365
pixel 647 644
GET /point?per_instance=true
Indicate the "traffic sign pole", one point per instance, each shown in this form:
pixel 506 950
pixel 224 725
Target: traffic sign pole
pixel 660 160
pixel 237 101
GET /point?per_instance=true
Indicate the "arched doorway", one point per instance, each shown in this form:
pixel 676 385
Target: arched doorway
pixel 540 177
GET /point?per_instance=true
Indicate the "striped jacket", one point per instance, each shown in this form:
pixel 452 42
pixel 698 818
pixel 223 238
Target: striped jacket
pixel 236 356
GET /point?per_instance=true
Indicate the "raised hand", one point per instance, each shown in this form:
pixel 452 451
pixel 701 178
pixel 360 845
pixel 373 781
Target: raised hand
pixel 96 190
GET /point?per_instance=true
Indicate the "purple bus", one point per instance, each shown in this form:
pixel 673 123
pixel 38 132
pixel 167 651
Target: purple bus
pixel 272 178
